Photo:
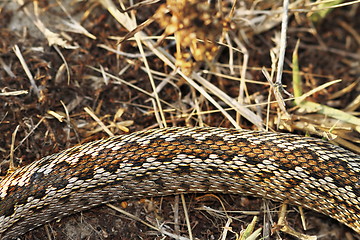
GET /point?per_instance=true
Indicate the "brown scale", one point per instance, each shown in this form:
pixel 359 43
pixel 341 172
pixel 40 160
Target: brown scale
pixel 278 153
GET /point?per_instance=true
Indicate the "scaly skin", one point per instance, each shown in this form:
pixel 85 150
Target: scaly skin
pixel 303 171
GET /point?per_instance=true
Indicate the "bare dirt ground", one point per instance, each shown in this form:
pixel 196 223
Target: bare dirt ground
pixel 66 66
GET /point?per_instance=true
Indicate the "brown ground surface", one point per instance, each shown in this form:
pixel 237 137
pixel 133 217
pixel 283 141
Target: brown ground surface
pixel 329 50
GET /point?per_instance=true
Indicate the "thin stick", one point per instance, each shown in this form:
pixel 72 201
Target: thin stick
pixel 186 216
pixel 284 24
pixel 102 125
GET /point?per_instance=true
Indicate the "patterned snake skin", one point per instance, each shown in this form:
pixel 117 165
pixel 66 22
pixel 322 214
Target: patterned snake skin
pixel 305 171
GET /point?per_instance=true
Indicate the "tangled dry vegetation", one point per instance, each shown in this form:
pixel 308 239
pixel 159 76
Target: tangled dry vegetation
pixel 73 71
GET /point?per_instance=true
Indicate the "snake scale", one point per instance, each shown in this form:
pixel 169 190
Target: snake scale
pixel 301 170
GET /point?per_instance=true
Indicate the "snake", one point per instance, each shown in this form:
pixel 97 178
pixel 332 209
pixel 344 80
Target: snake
pixel 303 171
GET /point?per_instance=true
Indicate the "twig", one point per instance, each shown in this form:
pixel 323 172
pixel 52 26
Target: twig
pixel 102 125
pixel 284 24
pixel 186 216
pixel 27 71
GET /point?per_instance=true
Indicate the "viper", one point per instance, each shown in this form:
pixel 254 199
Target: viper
pixel 304 171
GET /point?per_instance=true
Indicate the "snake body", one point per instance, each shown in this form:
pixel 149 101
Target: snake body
pixel 304 171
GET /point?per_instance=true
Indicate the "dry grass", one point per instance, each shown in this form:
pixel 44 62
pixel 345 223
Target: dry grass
pixel 74 71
